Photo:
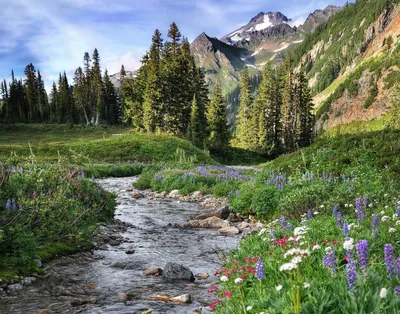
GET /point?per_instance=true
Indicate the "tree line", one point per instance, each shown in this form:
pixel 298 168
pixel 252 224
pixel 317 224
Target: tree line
pixel 278 118
pixel 169 94
pixel 92 99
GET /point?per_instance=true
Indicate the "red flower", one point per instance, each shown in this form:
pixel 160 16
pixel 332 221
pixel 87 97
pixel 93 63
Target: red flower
pixel 228 294
pixel 345 258
pixel 314 244
pixel 325 241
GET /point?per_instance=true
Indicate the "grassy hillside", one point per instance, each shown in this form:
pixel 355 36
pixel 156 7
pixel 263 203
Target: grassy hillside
pixel 341 42
pixel 99 145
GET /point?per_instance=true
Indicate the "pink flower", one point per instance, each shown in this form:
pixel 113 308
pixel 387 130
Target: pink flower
pixel 240 267
pixel 228 294
pixel 234 261
pixel 212 307
pixel 215 288
pixel 247 259
pixel 254 259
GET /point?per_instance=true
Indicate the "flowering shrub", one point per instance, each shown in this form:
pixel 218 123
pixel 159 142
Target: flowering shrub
pixel 317 266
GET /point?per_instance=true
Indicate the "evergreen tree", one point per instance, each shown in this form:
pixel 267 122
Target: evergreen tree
pixel 153 95
pixel 55 115
pixel 217 121
pixel 31 93
pixel 266 110
pixel 244 136
pixel 43 102
pixel 289 113
pixel 196 130
pixel 110 101
pixel 122 73
pixel 97 86
pixel 80 94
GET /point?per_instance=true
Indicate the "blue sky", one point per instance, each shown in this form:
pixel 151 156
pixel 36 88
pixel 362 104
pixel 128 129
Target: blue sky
pixel 54 34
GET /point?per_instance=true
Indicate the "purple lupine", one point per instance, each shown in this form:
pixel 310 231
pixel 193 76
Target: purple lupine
pixel 309 214
pixel 335 210
pixel 282 220
pixel 260 269
pixel 339 220
pixel 8 205
pixel 397 206
pixel 374 225
pixel 329 260
pixel 14 204
pixel 397 266
pixel 389 259
pixel 360 213
pixel 237 193
pixel 346 229
pixel 230 193
pixel 93 178
pixel 362 253
pixel 351 271
pixel 397 291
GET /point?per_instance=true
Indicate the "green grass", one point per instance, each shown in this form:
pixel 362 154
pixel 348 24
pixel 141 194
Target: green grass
pixel 46 210
pixel 109 145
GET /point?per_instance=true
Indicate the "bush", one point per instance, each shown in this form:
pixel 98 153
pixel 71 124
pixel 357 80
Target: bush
pixel 265 201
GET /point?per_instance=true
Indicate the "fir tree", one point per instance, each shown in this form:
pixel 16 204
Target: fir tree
pixel 196 131
pixel 110 101
pixel 153 95
pixel 217 121
pixel 244 135
pixel 97 85
pixel 122 73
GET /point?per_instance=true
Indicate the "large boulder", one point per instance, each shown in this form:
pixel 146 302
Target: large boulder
pixel 174 271
pixel 211 222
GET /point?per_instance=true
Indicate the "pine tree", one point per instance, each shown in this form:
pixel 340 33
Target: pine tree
pixel 153 95
pixel 196 131
pixel 175 36
pixel 31 93
pixel 54 105
pixel 122 73
pixel 80 94
pixel 305 120
pixel 43 102
pixel 289 113
pixel 217 121
pixel 110 101
pixel 244 135
pixel 97 85
pixel 265 109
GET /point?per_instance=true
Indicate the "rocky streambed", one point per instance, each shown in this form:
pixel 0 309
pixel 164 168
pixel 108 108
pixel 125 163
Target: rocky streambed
pixel 124 273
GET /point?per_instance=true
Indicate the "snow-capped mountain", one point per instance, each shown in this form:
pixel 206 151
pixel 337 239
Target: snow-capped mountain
pixel 260 23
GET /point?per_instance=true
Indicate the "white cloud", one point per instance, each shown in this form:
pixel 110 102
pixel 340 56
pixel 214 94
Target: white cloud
pixel 129 61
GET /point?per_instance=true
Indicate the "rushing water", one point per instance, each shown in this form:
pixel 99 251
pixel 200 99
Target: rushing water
pixel 111 281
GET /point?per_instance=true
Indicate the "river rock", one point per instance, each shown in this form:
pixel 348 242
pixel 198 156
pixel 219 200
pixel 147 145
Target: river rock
pixel 225 211
pixel 129 189
pixel 137 195
pixel 129 251
pixel 184 298
pixel 174 193
pixel 211 222
pixel 197 194
pixel 27 281
pixel 202 276
pixel 153 271
pixel 243 225
pixel 229 230
pixel 177 271
pixel 14 289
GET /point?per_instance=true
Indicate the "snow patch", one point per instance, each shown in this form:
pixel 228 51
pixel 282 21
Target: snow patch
pixel 236 38
pixel 298 41
pixel 264 25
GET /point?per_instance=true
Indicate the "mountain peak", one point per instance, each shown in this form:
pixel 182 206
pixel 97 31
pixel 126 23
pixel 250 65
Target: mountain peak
pixel 203 42
pixel 273 18
pixel 319 16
